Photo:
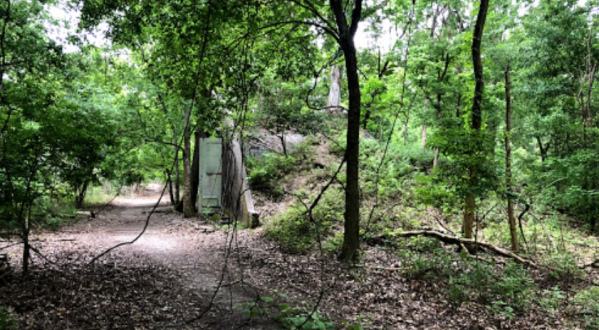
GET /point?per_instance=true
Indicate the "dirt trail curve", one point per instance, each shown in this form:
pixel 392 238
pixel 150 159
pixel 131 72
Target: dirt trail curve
pixel 164 279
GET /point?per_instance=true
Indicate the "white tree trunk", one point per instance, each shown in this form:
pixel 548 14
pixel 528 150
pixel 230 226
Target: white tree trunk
pixel 335 92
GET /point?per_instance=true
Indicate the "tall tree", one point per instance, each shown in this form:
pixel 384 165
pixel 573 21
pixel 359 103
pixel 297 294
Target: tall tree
pixel 508 160
pixel 477 115
pixel 347 31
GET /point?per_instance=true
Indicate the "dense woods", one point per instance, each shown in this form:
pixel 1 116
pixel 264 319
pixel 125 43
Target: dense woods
pixel 447 147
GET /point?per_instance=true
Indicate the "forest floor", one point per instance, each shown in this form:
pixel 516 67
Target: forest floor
pixel 168 278
pixel 164 280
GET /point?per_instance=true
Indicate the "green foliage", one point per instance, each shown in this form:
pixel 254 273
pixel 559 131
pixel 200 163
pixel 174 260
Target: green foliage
pixel 294 231
pixel 588 302
pixel 552 300
pixel 289 318
pixel 265 172
pixel 282 108
pixel 6 321
pixel 563 267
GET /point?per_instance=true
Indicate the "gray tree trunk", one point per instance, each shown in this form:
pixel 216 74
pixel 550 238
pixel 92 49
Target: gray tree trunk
pixel 335 91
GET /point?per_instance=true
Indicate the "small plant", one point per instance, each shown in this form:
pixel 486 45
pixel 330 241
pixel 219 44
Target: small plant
pixel 282 313
pixel 588 302
pixel 456 293
pixel 6 322
pixel 551 300
pixel 563 268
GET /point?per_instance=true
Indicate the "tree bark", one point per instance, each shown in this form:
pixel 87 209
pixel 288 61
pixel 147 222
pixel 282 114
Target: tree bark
pixel 26 246
pixel 284 144
pixel 335 91
pixel 81 195
pixel 188 203
pixel 351 238
pixel 470 205
pixel 508 152
pixel 177 176
pixel 169 182
pixel 195 170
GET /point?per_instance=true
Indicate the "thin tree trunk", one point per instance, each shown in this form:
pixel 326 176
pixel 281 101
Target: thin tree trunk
pixel 284 144
pixel 26 246
pixel 591 70
pixel 508 169
pixel 169 182
pixel 81 195
pixel 195 170
pixel 188 204
pixel 177 178
pixel 334 100
pixel 351 238
pixel 589 114
pixel 470 205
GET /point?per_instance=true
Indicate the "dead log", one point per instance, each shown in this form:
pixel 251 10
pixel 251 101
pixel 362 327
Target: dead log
pixel 470 244
pixel 89 214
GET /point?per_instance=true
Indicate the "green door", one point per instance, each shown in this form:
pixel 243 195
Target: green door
pixel 210 175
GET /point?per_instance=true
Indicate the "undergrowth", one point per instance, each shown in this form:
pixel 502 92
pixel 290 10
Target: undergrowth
pixel 6 321
pixel 402 191
pixel 288 317
pixel 296 233
pixel 266 171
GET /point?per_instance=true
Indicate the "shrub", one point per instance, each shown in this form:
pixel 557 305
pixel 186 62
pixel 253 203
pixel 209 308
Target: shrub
pixel 265 172
pixel 292 231
pixel 295 233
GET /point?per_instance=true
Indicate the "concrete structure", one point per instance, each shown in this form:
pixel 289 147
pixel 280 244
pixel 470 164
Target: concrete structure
pixel 210 194
pixel 223 181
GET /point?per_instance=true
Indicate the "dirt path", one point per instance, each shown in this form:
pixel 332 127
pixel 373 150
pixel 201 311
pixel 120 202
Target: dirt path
pixel 167 277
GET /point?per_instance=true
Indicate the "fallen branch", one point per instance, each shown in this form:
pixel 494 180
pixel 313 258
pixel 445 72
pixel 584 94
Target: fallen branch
pixel 470 244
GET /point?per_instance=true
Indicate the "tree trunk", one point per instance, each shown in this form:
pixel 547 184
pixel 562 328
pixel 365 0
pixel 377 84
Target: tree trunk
pixel 169 182
pixel 542 150
pixel 470 207
pixel 26 246
pixel 81 195
pixel 335 91
pixel 351 237
pixel 508 169
pixel 195 170
pixel 177 177
pixel 469 216
pixel 188 204
pixel 282 138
